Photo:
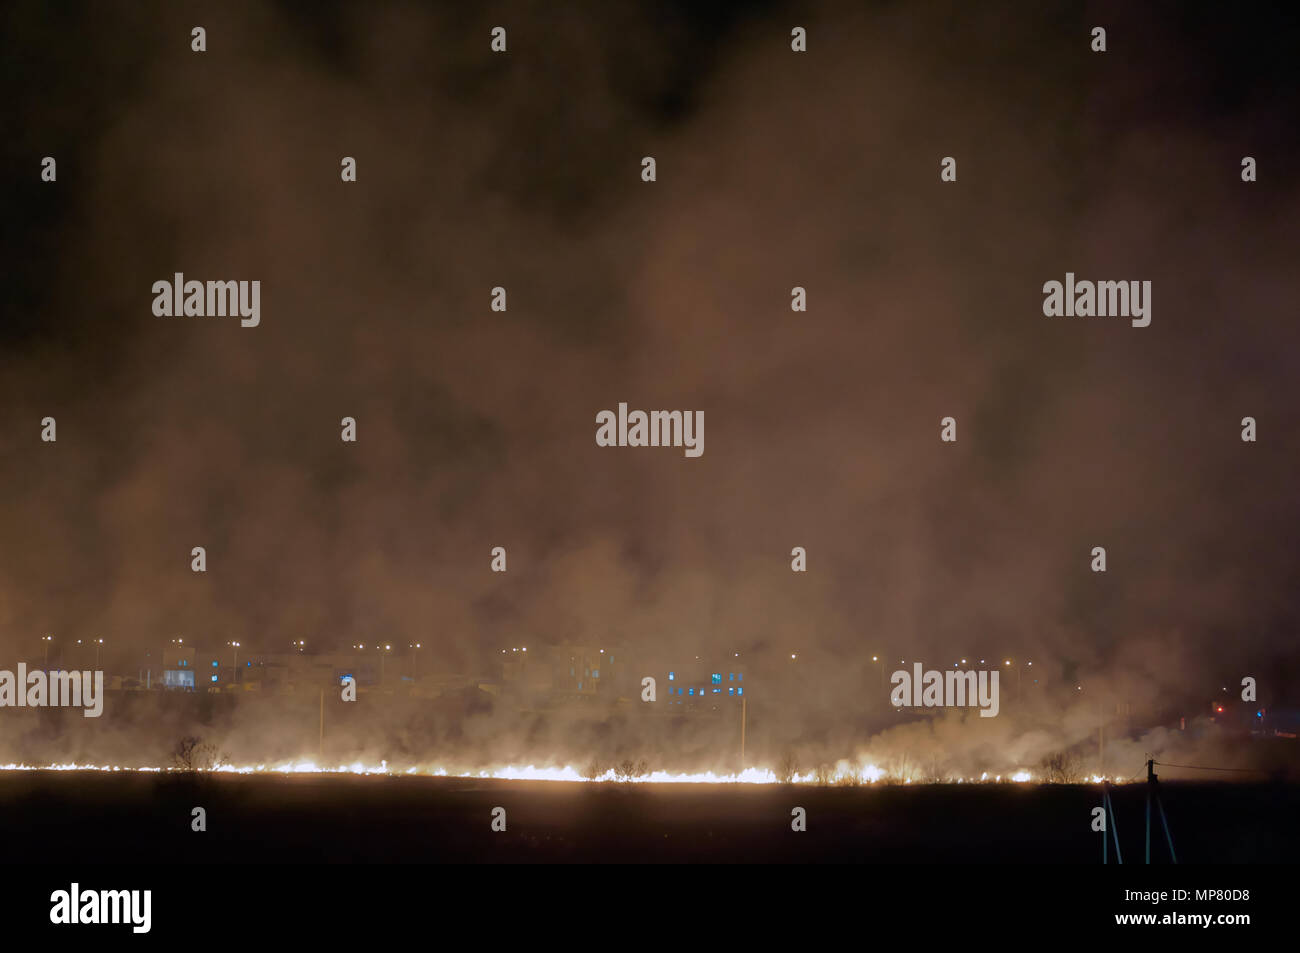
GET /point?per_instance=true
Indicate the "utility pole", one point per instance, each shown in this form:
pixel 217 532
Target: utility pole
pixel 1151 779
pixel 743 701
pixel 1101 741
pixel 320 749
pixel 1111 822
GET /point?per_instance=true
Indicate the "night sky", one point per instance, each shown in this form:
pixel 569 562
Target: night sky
pixel 775 169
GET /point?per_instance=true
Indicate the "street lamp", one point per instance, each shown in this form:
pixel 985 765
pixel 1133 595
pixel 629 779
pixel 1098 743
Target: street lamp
pixel 98 645
pixel 875 659
pixel 235 665
pixel 47 640
pixel 1018 670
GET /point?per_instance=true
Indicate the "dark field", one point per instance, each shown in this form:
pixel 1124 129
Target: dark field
pixel 129 818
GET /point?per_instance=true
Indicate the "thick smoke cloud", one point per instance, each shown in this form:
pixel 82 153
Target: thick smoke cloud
pixel 476 428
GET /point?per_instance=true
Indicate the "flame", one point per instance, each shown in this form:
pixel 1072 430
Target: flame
pixel 845 773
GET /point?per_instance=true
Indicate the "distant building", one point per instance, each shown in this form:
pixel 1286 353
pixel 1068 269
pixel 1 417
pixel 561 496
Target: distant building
pixel 178 670
pixel 704 683
pixel 569 671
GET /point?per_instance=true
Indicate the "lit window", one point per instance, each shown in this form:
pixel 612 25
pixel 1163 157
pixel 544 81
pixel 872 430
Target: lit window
pixel 214 663
pixel 595 673
pixel 740 691
pixel 731 691
pixel 214 678
pixel 671 676
pixel 716 690
pixel 731 676
pixel 717 678
pixel 580 686
pixel 690 691
pixel 740 677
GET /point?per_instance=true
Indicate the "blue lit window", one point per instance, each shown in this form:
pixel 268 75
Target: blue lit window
pixel 595 673
pixel 214 663
pixel 717 678
pixel 580 686
pixel 740 677
pixel 740 691
pixel 214 678
pixel 716 690
pixel 731 691
pixel 671 676
pixel 690 691
pixel 731 676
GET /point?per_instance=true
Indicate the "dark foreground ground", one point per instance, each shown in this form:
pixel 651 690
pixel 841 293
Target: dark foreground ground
pixel 98 818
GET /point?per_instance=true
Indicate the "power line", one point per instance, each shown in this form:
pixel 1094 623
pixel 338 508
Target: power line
pixel 1197 767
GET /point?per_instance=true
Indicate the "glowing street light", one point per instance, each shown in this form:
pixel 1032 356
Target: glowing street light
pixel 1018 671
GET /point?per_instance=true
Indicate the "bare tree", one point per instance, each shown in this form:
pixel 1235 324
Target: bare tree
pixel 195 754
pixel 627 769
